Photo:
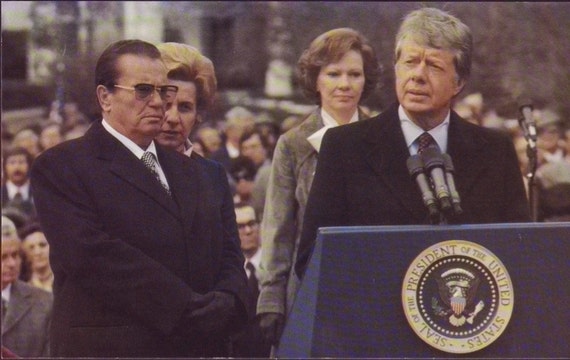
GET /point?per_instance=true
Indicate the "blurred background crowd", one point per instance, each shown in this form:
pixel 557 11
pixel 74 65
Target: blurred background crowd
pixel 49 48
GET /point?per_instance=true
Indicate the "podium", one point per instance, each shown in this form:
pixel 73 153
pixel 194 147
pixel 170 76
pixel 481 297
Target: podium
pixel 349 304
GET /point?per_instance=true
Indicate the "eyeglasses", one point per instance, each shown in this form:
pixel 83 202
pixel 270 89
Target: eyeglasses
pixel 144 91
pixel 251 224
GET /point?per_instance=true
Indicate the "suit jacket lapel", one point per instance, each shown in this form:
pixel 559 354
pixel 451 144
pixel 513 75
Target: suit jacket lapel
pixel 388 157
pixel 182 174
pixel 125 165
pixel 20 304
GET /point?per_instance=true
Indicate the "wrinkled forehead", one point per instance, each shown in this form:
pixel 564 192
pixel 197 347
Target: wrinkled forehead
pixel 142 68
pixel 426 43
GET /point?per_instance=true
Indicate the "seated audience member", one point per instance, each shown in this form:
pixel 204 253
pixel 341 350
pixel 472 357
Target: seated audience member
pixel 553 181
pixel 256 147
pixel 269 130
pixel 210 138
pixel 242 173
pixel 550 136
pixel 26 310
pixel 238 120
pixel 29 140
pixel 250 343
pixel 36 250
pixel 50 135
pixel 16 191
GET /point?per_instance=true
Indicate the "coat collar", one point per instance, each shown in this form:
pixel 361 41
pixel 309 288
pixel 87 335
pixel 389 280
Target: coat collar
pixel 124 164
pixel 388 155
pixel 20 304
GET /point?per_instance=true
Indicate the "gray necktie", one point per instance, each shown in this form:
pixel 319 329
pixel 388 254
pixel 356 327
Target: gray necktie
pixel 4 309
pixel 150 162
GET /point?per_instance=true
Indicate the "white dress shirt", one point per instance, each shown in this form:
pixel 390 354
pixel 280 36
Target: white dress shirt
pixel 13 189
pixel 412 131
pixel 135 149
pixel 316 138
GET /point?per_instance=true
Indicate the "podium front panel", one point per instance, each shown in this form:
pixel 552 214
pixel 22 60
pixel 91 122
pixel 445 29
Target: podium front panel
pixel 350 301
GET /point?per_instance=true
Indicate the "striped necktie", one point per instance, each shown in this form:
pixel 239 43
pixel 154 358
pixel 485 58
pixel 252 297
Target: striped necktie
pixel 425 140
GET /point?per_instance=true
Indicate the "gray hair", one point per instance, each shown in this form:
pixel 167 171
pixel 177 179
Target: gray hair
pixel 8 228
pixel 438 29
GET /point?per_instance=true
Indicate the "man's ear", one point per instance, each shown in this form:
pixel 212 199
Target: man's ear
pixel 459 87
pixel 104 98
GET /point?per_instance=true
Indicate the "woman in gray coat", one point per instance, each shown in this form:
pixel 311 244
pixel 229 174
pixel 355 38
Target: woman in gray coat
pixel 338 70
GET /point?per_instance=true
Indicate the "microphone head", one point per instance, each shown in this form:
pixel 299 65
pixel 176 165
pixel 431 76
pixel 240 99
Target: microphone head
pixel 432 158
pixel 415 165
pixel 524 102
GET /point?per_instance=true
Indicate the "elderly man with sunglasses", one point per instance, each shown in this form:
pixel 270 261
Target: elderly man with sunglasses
pixel 142 267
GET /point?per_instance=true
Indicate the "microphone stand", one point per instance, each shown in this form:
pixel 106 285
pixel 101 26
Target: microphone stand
pixel 532 186
pixel 531 153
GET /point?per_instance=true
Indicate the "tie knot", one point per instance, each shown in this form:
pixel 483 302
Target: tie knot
pixel 250 267
pixel 425 140
pixel 148 160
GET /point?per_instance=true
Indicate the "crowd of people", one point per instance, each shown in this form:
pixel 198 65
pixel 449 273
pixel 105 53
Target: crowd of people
pixel 173 235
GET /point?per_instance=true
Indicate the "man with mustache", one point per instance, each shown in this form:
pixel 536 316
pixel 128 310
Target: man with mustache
pixel 16 191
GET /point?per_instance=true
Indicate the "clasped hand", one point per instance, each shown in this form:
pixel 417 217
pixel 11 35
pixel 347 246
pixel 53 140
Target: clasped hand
pixel 213 312
pixel 271 326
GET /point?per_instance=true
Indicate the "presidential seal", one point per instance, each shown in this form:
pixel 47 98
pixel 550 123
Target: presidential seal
pixel 457 296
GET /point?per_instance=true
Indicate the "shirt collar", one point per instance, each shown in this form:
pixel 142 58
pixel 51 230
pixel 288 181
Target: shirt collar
pixel 6 293
pixel 329 121
pixel 134 148
pixel 255 259
pixel 13 189
pixel 188 148
pixel 412 131
pixel 316 138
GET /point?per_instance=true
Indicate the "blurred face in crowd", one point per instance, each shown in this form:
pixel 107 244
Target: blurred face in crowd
pixel 139 119
pixel 50 136
pixel 340 85
pixel 549 138
pixel 180 117
pixel 36 248
pixel 11 259
pixel 426 82
pixel 17 169
pixel 253 149
pixel 28 140
pixel 248 228
pixel 211 139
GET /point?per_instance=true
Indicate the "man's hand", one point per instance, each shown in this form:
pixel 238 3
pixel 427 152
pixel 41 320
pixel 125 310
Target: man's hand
pixel 214 317
pixel 271 325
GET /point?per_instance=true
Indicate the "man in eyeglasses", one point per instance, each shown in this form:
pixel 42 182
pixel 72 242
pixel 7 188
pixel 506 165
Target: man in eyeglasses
pixel 250 343
pixel 140 270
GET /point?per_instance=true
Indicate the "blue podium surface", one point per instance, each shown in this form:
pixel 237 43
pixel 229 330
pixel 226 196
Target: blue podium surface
pixel 350 302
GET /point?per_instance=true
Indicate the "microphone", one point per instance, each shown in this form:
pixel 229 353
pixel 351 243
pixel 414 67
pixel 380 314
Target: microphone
pixel 527 122
pixel 416 169
pixel 433 163
pixel 449 171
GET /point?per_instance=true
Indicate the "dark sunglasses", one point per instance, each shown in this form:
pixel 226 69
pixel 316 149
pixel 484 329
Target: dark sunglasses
pixel 250 223
pixel 144 91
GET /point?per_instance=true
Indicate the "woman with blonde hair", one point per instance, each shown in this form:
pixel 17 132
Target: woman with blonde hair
pixel 195 77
